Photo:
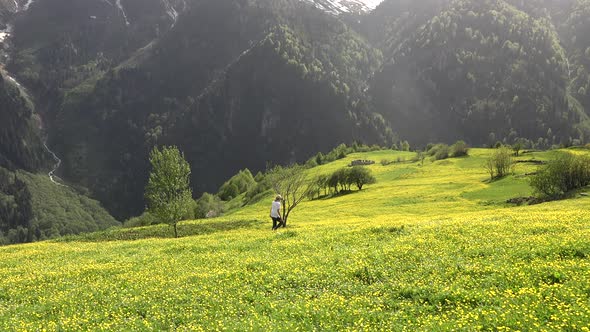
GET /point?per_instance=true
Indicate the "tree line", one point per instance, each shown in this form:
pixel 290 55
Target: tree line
pixel 169 196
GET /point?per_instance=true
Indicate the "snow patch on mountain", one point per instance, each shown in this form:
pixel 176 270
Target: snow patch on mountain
pixel 122 10
pixel 5 33
pixel 174 8
pixel 27 5
pixel 345 6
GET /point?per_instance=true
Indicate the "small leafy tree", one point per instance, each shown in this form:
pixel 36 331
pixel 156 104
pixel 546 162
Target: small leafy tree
pixel 360 176
pixel 405 146
pixel 516 148
pixel 168 193
pixel 236 185
pixel 564 173
pixel 439 151
pixel 228 191
pixel 208 205
pixel 421 156
pixel 459 149
pixel 319 158
pixel 499 164
pixel 333 182
pixel 342 175
pixel 255 193
pixel 316 186
pixel 490 168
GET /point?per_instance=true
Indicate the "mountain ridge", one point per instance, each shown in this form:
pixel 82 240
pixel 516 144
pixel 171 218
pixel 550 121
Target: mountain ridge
pixel 345 6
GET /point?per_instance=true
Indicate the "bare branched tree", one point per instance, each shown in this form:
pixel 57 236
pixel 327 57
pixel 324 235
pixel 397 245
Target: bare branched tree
pixel 292 184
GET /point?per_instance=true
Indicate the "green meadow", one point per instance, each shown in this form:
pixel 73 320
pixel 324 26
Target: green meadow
pixel 432 247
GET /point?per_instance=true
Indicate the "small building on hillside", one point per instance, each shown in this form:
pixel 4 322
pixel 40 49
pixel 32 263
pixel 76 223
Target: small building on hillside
pixel 361 162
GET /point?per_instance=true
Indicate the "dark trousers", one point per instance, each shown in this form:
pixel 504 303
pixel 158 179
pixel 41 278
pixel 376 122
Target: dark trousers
pixel 276 222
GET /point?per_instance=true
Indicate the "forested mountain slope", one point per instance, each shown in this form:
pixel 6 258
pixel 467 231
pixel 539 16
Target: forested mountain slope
pixel 21 146
pixel 32 207
pixel 394 21
pixel 279 103
pixel 7 7
pixel 576 38
pixel 291 82
pixel 60 43
pixel 239 84
pixel 480 71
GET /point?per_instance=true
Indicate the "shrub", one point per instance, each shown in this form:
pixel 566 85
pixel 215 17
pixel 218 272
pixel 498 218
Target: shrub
pixel 499 164
pixel 255 193
pixel 516 148
pixel 145 219
pixel 419 157
pixel 439 151
pixel 237 184
pixel 405 146
pixel 228 191
pixel 259 177
pixel 459 149
pixel 338 152
pixel 311 163
pixel 561 175
pixel 208 205
pixel 375 147
pixel 442 154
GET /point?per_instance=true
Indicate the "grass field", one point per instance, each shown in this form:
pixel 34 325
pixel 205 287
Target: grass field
pixel 432 247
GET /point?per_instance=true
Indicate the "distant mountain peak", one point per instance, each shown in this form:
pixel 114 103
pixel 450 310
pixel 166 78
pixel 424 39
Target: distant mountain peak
pixel 345 6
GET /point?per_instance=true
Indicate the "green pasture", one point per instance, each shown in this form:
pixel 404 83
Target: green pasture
pixel 431 247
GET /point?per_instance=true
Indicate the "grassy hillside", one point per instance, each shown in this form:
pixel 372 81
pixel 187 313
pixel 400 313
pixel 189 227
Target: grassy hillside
pixel 32 208
pixel 430 247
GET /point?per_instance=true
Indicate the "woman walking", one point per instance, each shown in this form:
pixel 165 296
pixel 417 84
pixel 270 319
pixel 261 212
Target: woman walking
pixel 275 212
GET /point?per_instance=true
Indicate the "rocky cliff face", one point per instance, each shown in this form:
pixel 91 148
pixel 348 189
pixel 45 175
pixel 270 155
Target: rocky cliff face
pixel 21 145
